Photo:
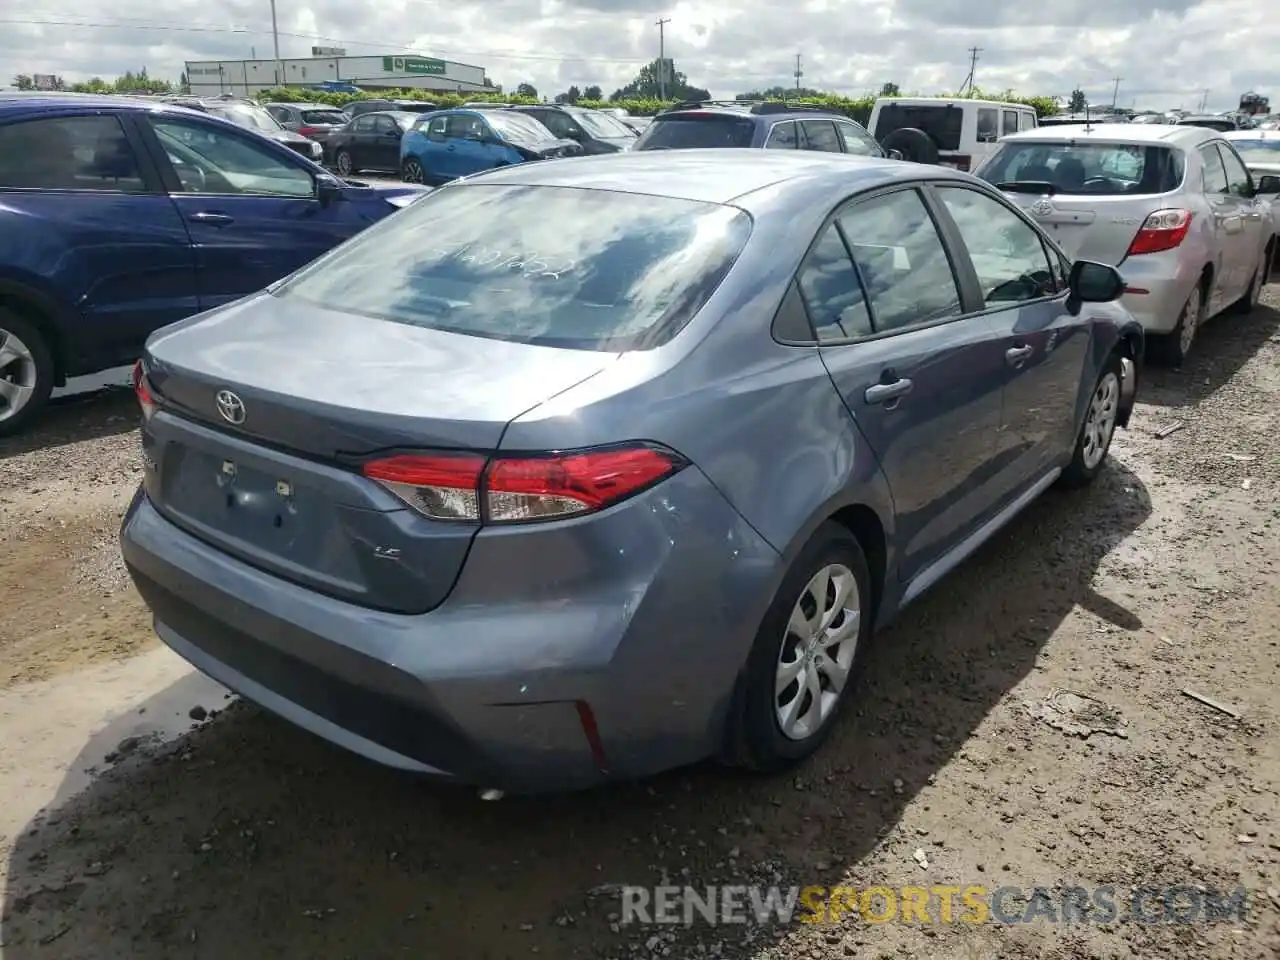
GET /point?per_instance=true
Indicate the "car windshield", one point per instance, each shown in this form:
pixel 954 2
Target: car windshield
pixel 403 120
pixel 323 116
pixel 692 131
pixel 554 266
pixel 1108 169
pixel 1258 151
pixel 601 124
pixel 943 122
pixel 247 115
pixel 517 127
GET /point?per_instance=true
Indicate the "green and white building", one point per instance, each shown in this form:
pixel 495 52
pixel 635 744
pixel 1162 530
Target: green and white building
pixel 210 78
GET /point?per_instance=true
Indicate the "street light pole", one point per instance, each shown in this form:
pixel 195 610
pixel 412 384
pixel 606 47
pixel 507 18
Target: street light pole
pixel 275 36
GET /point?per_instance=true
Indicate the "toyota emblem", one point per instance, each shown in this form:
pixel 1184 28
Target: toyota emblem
pixel 1042 208
pixel 230 406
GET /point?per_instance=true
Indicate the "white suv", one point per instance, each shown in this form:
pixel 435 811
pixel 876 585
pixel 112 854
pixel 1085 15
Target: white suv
pixel 955 133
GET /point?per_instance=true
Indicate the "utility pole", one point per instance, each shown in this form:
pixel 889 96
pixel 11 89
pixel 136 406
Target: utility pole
pixel 1115 91
pixel 662 57
pixel 1204 101
pixel 973 66
pixel 275 36
pixel 799 74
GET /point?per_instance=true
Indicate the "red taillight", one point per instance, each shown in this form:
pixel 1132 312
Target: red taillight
pixel 519 489
pixel 142 390
pixel 310 131
pixel 1162 230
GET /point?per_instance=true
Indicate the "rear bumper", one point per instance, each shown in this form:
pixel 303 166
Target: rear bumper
pixel 644 613
pixel 1157 287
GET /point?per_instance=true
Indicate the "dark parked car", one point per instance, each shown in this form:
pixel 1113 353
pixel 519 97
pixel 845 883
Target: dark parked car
pixel 1211 121
pixel 118 216
pixel 314 121
pixel 253 116
pixel 772 125
pixel 370 142
pixel 595 130
pixel 357 108
pixel 589 469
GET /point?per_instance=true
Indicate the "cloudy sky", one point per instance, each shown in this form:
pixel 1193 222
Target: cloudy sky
pixel 1167 52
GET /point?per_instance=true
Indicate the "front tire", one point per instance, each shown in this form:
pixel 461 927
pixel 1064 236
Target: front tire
pixel 1093 443
pixel 805 656
pixel 26 372
pixel 342 161
pixel 411 172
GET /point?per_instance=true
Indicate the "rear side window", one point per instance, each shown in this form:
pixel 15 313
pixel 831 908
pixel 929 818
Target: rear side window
pixel 942 122
pixel 554 266
pixel 1104 169
pixel 68 153
pixel 782 136
pixel 1009 122
pixel 696 130
pixel 901 259
pixel 1027 121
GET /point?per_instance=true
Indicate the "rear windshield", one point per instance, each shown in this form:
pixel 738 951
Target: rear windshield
pixel 600 124
pixel 554 266
pixel 942 122
pixel 1107 169
pixel 1258 151
pixel 517 127
pixel 248 115
pixel 691 131
pixel 323 116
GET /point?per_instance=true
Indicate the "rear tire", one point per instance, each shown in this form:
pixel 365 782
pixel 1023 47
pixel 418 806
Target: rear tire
pixel 26 372
pixel 1093 442
pixel 1171 349
pixel 805 656
pixel 342 163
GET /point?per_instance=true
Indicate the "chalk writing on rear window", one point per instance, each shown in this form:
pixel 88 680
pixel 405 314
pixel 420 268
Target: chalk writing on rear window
pixel 529 265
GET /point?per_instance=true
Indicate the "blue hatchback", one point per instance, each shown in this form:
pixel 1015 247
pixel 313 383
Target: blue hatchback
pixel 119 216
pixel 455 143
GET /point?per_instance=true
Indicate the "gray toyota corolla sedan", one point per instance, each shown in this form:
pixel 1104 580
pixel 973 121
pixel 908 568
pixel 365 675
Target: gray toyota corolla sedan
pixel 597 467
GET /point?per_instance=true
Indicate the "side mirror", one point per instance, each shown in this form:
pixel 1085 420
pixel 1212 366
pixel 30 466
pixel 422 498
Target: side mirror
pixel 1091 282
pixel 328 190
pixel 1268 183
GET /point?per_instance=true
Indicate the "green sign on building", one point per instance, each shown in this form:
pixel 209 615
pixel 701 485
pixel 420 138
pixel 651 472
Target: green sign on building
pixel 420 65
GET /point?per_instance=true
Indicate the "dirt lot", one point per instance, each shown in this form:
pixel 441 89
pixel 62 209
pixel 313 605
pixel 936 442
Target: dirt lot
pixel 246 838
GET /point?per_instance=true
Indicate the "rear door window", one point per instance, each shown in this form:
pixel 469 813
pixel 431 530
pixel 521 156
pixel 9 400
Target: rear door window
pixel 783 136
pixel 1009 122
pixel 901 259
pixel 820 135
pixel 857 140
pixel 1215 173
pixel 988 124
pixel 1238 182
pixel 943 122
pixel 69 153
pixel 697 130
pixel 555 266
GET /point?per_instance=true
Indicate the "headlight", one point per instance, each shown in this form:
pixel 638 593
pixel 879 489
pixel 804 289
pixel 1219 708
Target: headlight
pixel 316 149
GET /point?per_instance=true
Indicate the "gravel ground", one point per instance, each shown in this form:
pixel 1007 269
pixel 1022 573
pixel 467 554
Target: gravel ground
pixel 1026 725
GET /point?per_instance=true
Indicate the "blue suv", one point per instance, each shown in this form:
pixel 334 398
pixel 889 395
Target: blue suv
pixel 773 125
pixel 119 216
pixel 449 144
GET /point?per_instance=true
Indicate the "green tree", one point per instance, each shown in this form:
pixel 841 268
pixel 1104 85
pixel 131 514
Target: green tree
pixel 1078 102
pixel 593 93
pixel 572 95
pixel 527 90
pixel 889 90
pixel 779 93
pixel 24 81
pixel 646 87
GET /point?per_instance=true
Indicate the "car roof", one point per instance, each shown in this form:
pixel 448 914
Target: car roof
pixel 30 102
pixel 812 111
pixel 1135 133
pixel 1255 133
pixel 715 175
pixel 954 101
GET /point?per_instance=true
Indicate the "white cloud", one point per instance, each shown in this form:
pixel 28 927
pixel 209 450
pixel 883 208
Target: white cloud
pixel 1167 52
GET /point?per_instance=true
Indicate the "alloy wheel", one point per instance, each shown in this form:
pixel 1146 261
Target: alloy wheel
pixel 412 172
pixel 17 375
pixel 344 163
pixel 817 652
pixel 1100 422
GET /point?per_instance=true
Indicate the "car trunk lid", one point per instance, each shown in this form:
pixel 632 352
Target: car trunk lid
pixel 267 408
pixel 1086 227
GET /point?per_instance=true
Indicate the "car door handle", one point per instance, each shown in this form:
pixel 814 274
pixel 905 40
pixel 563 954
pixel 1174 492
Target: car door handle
pixel 1017 356
pixel 887 392
pixel 213 219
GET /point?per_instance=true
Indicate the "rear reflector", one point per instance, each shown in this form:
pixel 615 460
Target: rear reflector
pixel 142 390
pixel 1161 231
pixel 467 487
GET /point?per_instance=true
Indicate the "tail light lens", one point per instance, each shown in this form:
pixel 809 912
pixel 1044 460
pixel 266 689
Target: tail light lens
pixel 310 131
pixel 522 489
pixel 1162 230
pixel 142 390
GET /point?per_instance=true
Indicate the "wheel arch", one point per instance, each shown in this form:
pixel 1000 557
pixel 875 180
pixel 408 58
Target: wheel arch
pixel 43 312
